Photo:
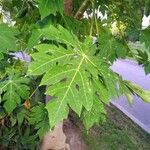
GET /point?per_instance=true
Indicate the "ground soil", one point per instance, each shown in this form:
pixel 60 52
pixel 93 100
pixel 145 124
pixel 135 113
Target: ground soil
pixel 74 136
pixel 117 133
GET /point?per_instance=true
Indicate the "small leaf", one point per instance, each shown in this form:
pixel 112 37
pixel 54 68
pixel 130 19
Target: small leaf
pixel 110 47
pixel 1 56
pixel 47 7
pixel 143 94
pixel 13 121
pixel 7 38
pixel 145 37
pixel 33 40
pixel 39 118
pixel 14 89
pixel 147 67
pixel 129 97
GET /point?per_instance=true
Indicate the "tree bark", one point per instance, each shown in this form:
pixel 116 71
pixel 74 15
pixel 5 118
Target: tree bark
pixel 68 7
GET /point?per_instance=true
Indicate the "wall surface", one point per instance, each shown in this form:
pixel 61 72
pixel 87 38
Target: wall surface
pixel 139 111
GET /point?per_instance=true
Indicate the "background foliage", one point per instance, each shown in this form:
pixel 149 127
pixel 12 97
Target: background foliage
pixel 66 63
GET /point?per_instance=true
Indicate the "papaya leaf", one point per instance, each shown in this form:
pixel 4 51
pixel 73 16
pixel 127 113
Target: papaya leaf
pixel 39 118
pixel 110 47
pixel 129 97
pixel 59 34
pixel 137 90
pixel 1 56
pixel 7 38
pixel 145 37
pixel 147 67
pixel 73 74
pixel 47 7
pixel 13 90
pixel 33 40
pixel 95 115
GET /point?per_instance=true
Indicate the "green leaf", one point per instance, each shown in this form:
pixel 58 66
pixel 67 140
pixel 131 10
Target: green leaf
pixel 13 90
pixel 13 121
pixel 145 37
pixel 143 94
pixel 72 74
pixel 47 7
pixel 95 115
pixel 57 111
pixel 147 67
pixel 20 118
pixel 33 40
pixel 39 118
pixel 1 56
pixel 110 47
pixel 7 38
pixel 129 97
pixel 47 57
pixel 127 92
pixel 59 34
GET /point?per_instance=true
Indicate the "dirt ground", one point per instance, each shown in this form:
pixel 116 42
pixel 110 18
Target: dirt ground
pixel 117 133
pixel 65 136
pixel 74 136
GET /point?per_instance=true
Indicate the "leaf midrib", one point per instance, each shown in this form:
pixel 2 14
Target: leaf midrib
pixel 77 70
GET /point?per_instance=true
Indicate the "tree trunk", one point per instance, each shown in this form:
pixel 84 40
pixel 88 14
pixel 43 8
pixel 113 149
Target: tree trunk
pixel 68 7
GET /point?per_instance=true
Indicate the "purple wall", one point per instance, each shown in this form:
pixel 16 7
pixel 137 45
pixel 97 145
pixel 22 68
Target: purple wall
pixel 139 111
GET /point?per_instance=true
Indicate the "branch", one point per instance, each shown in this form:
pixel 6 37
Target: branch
pixel 82 9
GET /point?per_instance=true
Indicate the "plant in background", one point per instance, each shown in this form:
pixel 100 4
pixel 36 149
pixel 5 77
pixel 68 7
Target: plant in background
pixel 65 63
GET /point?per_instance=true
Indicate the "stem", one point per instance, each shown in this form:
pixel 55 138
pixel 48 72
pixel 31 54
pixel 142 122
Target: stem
pixel 81 10
pixel 91 27
pixel 95 19
pixel 33 92
pixel 96 23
